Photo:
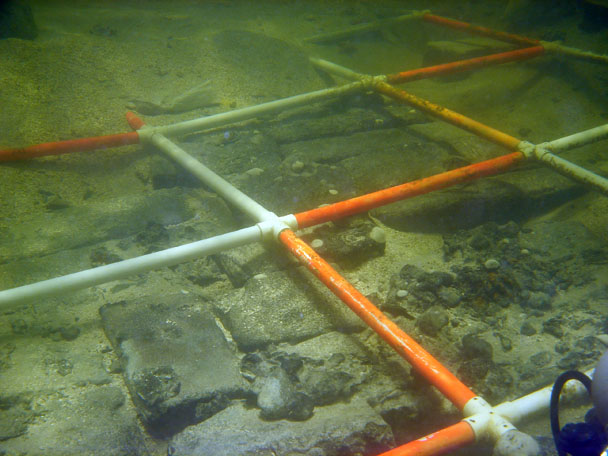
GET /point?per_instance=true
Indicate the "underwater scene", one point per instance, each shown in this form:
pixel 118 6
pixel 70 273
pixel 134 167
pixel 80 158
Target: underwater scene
pixel 318 228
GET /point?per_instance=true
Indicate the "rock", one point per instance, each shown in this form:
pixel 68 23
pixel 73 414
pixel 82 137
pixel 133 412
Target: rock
pixel 14 419
pixel 378 235
pixel 491 264
pixel 317 243
pixel 282 308
pixel 527 329
pixel 433 320
pixel 553 326
pixel 297 166
pixel 157 339
pixel 473 371
pixel 278 398
pixel 541 358
pixel 476 347
pixel 450 296
pixel 237 431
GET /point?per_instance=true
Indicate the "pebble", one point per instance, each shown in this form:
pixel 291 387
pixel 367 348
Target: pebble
pixel 491 264
pixel 254 171
pixel 316 243
pixel 402 293
pixel 333 191
pixel 378 235
pixel 297 166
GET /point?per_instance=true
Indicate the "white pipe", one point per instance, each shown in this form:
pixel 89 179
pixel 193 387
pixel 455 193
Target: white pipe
pixel 121 269
pixel 578 139
pixel 553 46
pixel 336 69
pixel 538 401
pixel 364 27
pixel 571 170
pixel 209 178
pixel 191 126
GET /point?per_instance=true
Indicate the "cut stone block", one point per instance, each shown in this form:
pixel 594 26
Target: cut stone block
pixel 178 366
pixel 352 428
pixel 283 306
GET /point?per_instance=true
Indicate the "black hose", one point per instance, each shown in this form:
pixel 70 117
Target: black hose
pixel 554 404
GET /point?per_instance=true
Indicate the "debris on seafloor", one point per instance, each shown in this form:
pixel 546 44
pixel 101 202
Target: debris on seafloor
pixel 197 97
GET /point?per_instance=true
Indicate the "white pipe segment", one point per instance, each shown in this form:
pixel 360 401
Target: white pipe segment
pixel 121 269
pixel 212 180
pixel 336 69
pixel 203 123
pixel 571 170
pixel 578 139
pixel 538 401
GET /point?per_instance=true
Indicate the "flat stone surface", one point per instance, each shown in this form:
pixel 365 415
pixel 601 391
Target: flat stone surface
pixel 178 365
pixel 283 306
pixel 237 431
pixel 86 224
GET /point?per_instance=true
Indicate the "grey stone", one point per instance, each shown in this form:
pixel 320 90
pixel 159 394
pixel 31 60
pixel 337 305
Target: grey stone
pixel 278 398
pixel 491 264
pixel 527 329
pixel 553 326
pixel 539 300
pixel 541 358
pixel 332 368
pixel 14 420
pixel 284 307
pixel 350 245
pixel 450 296
pixel 476 347
pixel 237 431
pixel 433 320
pixel 179 367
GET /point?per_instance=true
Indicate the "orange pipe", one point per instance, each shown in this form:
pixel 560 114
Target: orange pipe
pixel 477 30
pixel 449 116
pixel 134 122
pixel 71 145
pixel 410 350
pixel 440 442
pixel 465 65
pixel 408 190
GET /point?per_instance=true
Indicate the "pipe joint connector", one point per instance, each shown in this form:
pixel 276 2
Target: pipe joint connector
pixel 527 148
pixel 368 82
pixel 145 134
pixel 484 421
pixel 273 225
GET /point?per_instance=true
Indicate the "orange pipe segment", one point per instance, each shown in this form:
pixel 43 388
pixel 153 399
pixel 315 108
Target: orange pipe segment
pixel 458 120
pixel 69 146
pixel 452 388
pixel 134 121
pixel 465 65
pixel 440 442
pixel 372 200
pixel 482 31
